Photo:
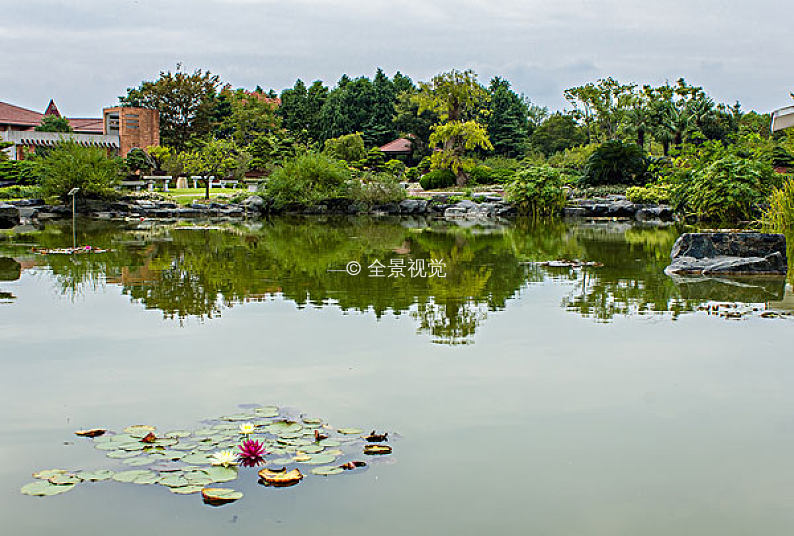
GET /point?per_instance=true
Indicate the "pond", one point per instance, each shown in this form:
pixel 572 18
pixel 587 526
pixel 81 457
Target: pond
pixel 521 396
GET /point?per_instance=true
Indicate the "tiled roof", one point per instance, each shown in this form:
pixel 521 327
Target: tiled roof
pixel 86 124
pixel 400 145
pixel 15 115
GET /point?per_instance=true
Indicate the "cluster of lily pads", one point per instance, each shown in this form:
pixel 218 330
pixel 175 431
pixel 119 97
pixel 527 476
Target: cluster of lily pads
pixel 194 461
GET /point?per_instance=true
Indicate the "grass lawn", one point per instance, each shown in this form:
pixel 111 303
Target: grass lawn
pixel 186 196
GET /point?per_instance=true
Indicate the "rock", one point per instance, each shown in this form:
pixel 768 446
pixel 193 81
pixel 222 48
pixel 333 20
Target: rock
pixel 574 212
pixel 10 270
pixel 254 202
pixel 662 212
pixel 729 254
pixel 413 206
pixel 9 216
pixel 388 208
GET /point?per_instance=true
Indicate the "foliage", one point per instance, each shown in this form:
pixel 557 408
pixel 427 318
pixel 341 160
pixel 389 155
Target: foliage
pixel 508 124
pixel 658 194
pixel 557 133
pixel 272 149
pixel 616 162
pixel 215 158
pixel 376 189
pixel 373 160
pixel 186 103
pixel 729 189
pixel 69 165
pixel 306 180
pixel 456 138
pixel 138 161
pixel 349 147
pixel 18 192
pixel 537 191
pixel 160 156
pixel 250 114
pixel 436 179
pixel 301 109
pixel 779 216
pixel 395 167
pixel 573 159
pixel 23 172
pixel 54 123
pixel 482 174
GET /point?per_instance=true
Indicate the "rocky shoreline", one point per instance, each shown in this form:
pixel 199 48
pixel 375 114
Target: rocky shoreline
pixel 32 211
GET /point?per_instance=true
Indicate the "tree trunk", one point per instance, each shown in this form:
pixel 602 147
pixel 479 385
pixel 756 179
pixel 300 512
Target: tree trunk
pixel 207 187
pixel 666 147
pixel 641 138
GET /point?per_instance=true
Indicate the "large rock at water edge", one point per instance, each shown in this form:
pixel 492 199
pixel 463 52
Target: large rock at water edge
pixel 9 216
pixel 729 254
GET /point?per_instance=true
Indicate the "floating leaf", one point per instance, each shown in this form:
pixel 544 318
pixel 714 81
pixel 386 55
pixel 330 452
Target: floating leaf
pixel 284 427
pixel 311 449
pixel 49 473
pixel 319 459
pixel 42 488
pixel 302 458
pixel 198 458
pixel 334 452
pixel 138 462
pixel 176 480
pixel 376 438
pixel 281 477
pixel 108 445
pixel 139 476
pixel 131 446
pixel 198 478
pixel 267 411
pixel 64 479
pixel 101 474
pixel 177 434
pixel 377 449
pixel 220 495
pixel 222 474
pixel 139 430
pixel 186 490
pixel 237 417
pixel 350 431
pixel 329 443
pixel 168 467
pixel 121 454
pixel 327 470
pixel 93 432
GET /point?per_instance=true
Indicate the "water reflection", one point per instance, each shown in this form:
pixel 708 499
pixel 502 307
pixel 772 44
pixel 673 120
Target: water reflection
pixel 197 273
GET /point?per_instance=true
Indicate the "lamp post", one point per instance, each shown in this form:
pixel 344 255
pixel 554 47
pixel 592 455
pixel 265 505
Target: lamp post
pixel 73 194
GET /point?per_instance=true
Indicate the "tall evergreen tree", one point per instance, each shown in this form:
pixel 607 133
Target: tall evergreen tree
pixel 380 128
pixel 508 120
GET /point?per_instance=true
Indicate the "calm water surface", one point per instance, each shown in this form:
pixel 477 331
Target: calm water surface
pixel 528 399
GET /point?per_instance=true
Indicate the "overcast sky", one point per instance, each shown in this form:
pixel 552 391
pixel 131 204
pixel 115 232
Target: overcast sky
pixel 85 53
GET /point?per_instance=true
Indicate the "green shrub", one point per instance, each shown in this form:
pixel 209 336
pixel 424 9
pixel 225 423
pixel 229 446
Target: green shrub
pixel 729 189
pixel 573 159
pixel 19 171
pixel 616 162
pixel 537 191
pixel 395 167
pixel 412 174
pixel 306 180
pixel 779 216
pixel 658 194
pixel 481 174
pixel 438 178
pixel 424 164
pixel 69 165
pixel 349 147
pixel 376 189
pixel 18 192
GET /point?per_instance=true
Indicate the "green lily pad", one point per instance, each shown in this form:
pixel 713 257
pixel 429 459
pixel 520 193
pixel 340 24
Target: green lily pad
pixel 177 434
pixel 139 430
pixel 172 454
pixel 109 445
pixel 319 459
pixel 198 478
pixel 290 435
pixel 311 449
pixel 138 476
pixel 64 479
pixel 138 461
pixel 42 488
pixel 350 431
pixel 312 420
pixel 101 474
pixel 237 417
pixel 122 454
pixel 187 490
pixel 204 432
pixel 280 461
pixel 175 480
pixel 132 446
pixel 284 427
pixel 49 473
pixel 329 443
pixel 184 446
pixel 222 474
pixel 327 470
pixel 197 458
pixel 267 411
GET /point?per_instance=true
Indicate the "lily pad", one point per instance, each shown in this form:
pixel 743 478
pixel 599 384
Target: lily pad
pixel 222 474
pixel 329 443
pixel 95 476
pixel 220 495
pixel 312 421
pixel 311 449
pixel 93 432
pixel 139 430
pixel 139 461
pixel 176 480
pixel 281 477
pixel 284 427
pixel 327 470
pixel 267 411
pixel 197 458
pixel 237 417
pixel 350 431
pixel 49 473
pixel 107 445
pixel 319 459
pixel 64 479
pixel 122 454
pixel 177 434
pixel 198 478
pixel 42 488
pixel 187 490
pixel 139 476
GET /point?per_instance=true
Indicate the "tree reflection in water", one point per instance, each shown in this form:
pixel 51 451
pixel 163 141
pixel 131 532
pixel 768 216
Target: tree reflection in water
pixel 199 273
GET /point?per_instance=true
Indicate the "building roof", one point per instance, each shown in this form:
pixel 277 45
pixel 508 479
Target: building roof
pixel 22 117
pixel 783 119
pixel 49 139
pixel 400 145
pixel 52 109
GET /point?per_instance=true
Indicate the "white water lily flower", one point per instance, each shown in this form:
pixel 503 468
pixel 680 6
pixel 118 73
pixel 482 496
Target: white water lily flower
pixel 247 428
pixel 224 458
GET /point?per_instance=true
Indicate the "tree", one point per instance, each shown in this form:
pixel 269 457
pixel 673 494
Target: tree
pixel 215 158
pixel 137 161
pixel 458 99
pixel 54 123
pixel 349 147
pixel 616 162
pixel 300 109
pixel 186 103
pixel 601 106
pixel 251 114
pixel 70 165
pixel 380 127
pixel 508 123
pixel 557 133
pixel 348 109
